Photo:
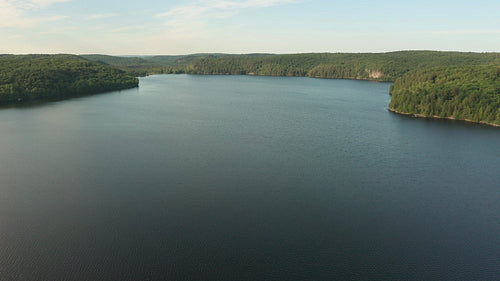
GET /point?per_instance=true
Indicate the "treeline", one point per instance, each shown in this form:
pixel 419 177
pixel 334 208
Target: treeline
pixel 366 66
pixel 459 92
pixel 33 77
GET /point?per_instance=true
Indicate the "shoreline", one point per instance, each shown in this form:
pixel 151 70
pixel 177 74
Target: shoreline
pixel 264 75
pixel 439 117
pixel 22 101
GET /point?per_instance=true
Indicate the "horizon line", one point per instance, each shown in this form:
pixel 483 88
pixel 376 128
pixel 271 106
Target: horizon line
pixel 254 53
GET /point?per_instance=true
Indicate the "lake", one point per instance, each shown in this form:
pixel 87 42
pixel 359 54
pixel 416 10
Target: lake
pixel 245 178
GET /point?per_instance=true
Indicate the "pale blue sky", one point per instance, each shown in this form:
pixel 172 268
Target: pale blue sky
pixel 149 27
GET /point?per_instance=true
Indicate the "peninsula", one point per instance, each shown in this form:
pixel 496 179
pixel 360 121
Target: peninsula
pixel 41 77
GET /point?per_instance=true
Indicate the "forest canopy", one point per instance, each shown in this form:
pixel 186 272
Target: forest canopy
pixel 458 92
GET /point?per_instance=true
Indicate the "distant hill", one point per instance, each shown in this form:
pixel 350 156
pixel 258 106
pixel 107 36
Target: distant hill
pixel 146 65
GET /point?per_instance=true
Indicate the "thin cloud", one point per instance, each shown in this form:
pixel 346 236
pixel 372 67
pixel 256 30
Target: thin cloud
pixel 101 16
pixel 204 9
pixel 469 32
pixel 44 3
pixel 59 30
pixel 13 13
pixel 129 28
pixel 186 24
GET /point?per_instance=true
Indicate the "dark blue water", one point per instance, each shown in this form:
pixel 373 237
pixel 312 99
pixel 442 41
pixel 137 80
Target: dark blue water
pixel 245 178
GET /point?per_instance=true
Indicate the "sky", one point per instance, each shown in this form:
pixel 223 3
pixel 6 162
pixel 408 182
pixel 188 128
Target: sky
pixel 163 27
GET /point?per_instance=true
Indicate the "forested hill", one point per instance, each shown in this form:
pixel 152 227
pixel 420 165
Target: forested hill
pixel 458 92
pixel 366 66
pixel 34 77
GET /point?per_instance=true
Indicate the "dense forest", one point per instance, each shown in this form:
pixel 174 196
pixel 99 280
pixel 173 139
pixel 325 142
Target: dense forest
pixel 34 77
pixel 458 92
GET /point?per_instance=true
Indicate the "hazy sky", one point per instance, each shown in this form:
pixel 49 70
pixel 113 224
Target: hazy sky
pixel 122 27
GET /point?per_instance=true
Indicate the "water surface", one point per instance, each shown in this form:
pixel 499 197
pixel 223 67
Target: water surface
pixel 245 178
